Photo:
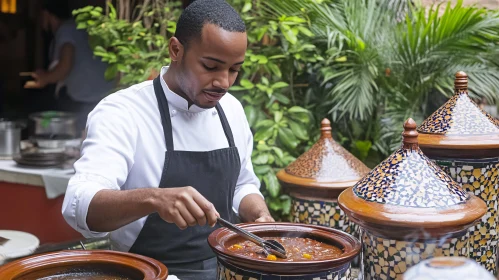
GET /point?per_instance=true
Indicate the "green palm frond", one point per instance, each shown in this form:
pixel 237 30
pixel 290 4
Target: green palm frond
pixel 389 60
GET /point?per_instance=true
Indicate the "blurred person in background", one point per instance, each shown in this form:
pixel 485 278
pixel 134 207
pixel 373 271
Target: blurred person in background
pixel 77 73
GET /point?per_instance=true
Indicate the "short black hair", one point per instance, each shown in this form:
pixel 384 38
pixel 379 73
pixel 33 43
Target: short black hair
pixel 59 8
pixel 200 12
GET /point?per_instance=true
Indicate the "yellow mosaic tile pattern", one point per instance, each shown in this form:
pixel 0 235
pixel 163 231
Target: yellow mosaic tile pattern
pixel 229 272
pixel 323 213
pixel 482 179
pixel 388 259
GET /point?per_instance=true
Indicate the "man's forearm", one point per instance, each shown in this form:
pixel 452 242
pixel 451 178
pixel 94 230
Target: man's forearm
pixel 252 208
pixel 112 209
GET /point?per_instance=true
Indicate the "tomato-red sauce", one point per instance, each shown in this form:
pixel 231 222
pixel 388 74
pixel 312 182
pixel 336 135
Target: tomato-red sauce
pixel 297 249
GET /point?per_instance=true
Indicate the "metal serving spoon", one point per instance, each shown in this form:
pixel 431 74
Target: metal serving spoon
pixel 269 246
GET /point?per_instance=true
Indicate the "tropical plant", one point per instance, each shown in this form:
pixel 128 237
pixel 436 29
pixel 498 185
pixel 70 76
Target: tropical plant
pixel 390 60
pixel 134 42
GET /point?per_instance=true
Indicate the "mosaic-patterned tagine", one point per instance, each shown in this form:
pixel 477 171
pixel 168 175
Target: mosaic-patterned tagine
pixel 464 141
pixel 448 268
pixel 233 264
pixel 317 177
pixel 409 210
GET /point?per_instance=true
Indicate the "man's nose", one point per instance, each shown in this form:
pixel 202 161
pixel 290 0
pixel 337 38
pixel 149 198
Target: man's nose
pixel 222 80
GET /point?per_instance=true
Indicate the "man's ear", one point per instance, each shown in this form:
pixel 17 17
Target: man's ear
pixel 176 50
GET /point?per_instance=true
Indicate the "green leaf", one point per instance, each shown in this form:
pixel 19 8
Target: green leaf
pixel 264 124
pixel 81 25
pixel 111 72
pixel 281 98
pixel 247 84
pixel 277 116
pixel 297 109
pixel 285 204
pixel 262 148
pixel 280 85
pixel 264 134
pixel 362 148
pixel 299 130
pixel 261 169
pixel 272 184
pixel 278 152
pixel 305 31
pixel 274 69
pixel 237 88
pixel 251 114
pixel 95 13
pixel 290 36
pixel 247 6
pixel 261 159
pixel 287 137
pixel 265 81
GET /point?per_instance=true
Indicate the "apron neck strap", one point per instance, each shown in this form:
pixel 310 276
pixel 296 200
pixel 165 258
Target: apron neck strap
pixel 225 125
pixel 166 121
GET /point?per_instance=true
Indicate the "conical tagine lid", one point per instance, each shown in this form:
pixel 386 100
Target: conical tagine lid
pixel 325 165
pixel 409 190
pixel 459 123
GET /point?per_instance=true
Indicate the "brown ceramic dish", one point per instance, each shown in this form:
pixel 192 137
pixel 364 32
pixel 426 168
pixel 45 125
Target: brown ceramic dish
pixel 92 263
pixel 221 239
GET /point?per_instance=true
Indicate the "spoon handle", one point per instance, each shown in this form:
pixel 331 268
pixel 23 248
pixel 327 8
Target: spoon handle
pixel 257 240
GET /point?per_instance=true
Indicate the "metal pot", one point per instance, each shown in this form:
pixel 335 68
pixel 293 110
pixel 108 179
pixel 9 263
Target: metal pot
pixel 10 137
pixel 59 125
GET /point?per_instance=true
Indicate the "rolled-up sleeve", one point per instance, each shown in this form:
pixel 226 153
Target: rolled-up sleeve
pixel 247 182
pixel 107 155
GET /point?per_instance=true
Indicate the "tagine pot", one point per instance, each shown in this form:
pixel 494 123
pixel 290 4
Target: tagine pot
pixel 91 264
pixel 317 177
pixel 464 140
pixel 409 210
pixel 234 265
pixel 448 268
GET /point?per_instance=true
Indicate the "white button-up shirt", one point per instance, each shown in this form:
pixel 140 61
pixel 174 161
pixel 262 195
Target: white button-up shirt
pixel 125 149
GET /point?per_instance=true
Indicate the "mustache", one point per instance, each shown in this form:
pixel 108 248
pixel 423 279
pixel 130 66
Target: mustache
pixel 216 90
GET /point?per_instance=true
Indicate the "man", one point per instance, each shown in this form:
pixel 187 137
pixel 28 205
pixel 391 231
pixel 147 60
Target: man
pixel 206 170
pixel 79 75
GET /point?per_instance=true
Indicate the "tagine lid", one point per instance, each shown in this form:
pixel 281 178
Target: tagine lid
pixel 409 190
pixel 460 123
pixel 325 165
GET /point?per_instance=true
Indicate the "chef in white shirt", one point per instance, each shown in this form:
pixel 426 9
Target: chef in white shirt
pixel 162 159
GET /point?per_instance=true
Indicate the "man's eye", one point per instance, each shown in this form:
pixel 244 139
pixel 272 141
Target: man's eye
pixel 208 68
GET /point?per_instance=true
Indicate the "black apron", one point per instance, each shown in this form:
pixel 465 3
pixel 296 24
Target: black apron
pixel 214 174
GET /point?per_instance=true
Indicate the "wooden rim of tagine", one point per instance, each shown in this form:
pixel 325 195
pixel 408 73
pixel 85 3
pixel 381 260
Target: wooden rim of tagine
pixel 409 191
pixel 460 124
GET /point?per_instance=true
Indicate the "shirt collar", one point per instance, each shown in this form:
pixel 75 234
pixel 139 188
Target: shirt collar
pixel 176 100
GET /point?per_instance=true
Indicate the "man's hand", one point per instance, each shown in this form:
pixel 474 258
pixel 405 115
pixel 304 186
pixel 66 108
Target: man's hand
pixel 41 80
pixel 254 209
pixel 185 207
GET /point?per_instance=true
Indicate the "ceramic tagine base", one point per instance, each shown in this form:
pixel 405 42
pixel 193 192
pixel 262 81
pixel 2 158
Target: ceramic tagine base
pixel 232 272
pixel 480 177
pixel 321 212
pixel 386 258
